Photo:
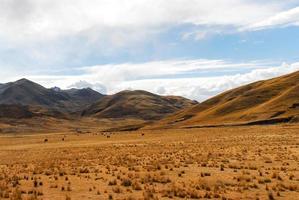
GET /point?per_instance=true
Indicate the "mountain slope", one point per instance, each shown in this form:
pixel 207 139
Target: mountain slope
pixel 15 111
pixel 261 102
pixel 137 104
pixel 25 92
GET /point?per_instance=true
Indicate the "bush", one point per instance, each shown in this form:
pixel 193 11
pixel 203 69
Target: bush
pixel 126 182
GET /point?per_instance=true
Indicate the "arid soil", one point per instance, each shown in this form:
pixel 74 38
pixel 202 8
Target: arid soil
pixel 258 162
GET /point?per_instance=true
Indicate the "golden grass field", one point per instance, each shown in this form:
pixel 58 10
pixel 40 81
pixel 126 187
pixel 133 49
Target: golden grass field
pixel 258 162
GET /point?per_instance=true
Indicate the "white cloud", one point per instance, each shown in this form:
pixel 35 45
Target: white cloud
pixel 84 84
pixel 138 71
pixel 282 19
pixel 197 35
pixel 161 90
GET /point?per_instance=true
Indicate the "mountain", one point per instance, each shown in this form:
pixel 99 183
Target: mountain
pixel 25 92
pixel 264 102
pixel 137 104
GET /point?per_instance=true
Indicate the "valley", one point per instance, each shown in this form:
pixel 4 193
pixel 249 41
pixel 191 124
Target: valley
pixel 258 162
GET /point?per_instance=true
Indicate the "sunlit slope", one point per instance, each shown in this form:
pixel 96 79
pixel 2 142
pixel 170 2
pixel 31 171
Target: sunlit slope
pixel 271 101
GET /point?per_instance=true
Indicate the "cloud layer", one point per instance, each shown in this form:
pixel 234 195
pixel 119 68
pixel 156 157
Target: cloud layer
pixel 43 33
pixel 47 19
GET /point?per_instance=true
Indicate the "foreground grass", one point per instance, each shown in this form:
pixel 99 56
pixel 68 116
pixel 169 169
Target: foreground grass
pixel 219 163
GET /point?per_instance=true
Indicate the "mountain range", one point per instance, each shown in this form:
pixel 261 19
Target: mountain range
pixel 25 99
pixel 263 102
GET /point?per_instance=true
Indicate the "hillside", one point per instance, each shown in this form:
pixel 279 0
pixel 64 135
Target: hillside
pixel 137 104
pixel 15 111
pixel 264 102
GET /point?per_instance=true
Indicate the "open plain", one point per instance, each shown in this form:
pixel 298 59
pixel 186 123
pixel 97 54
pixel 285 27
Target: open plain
pixel 246 162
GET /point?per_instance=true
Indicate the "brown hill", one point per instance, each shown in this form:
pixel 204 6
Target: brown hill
pixel 264 102
pixel 137 104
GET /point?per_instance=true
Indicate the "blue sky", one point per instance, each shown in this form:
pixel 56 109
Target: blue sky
pixel 192 48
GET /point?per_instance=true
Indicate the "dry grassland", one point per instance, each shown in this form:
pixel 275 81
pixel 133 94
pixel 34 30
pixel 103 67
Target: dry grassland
pixel 217 163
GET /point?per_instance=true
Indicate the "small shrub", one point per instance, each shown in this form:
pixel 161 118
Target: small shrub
pixel 126 182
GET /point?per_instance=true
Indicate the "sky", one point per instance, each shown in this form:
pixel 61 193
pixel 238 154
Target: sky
pixel 192 48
